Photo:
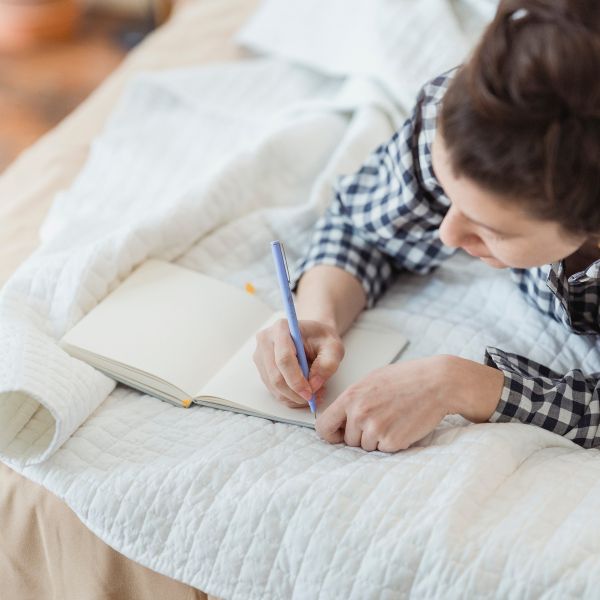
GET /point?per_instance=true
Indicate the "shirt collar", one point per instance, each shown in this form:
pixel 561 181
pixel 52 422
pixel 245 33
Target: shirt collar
pixel 589 273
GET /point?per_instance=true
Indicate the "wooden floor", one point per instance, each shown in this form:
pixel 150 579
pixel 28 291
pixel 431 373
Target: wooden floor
pixel 39 87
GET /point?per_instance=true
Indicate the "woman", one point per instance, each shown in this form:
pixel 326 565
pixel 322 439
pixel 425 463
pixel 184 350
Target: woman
pixel 501 157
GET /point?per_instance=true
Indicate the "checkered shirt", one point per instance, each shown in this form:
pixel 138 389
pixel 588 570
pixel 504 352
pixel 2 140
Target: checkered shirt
pixel 385 219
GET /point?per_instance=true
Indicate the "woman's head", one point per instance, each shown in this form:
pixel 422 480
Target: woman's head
pixel 519 134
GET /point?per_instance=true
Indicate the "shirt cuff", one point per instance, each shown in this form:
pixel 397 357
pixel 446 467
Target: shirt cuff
pixel 515 400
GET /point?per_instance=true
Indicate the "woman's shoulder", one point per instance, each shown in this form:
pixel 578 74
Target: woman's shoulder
pixel 423 121
pixel 421 130
pixel 434 89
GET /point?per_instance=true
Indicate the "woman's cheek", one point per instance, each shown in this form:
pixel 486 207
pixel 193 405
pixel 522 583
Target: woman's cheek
pixel 522 258
pixel 506 255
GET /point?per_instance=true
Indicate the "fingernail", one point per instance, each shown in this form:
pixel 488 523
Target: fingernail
pixel 306 394
pixel 316 383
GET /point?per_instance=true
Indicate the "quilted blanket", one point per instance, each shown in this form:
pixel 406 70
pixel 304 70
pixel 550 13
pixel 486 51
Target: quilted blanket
pixel 204 167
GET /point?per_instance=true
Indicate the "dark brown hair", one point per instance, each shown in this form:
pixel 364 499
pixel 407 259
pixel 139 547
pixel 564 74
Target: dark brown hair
pixel 522 117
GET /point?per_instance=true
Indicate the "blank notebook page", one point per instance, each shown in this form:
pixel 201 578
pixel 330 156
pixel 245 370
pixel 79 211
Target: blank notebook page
pixel 171 322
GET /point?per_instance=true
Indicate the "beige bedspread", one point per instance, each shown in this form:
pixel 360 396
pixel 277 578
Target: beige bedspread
pixel 45 551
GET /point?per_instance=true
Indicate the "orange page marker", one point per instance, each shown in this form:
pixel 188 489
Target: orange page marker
pixel 187 402
pixel 249 288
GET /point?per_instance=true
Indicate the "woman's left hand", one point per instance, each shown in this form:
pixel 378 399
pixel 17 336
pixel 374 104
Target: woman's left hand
pixel 395 406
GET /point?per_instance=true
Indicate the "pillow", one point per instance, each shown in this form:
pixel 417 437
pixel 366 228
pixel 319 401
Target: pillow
pixel 399 43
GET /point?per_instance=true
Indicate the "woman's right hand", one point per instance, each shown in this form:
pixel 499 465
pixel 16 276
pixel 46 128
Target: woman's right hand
pixel 275 357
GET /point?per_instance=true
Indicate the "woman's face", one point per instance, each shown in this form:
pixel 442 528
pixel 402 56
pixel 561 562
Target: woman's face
pixel 498 232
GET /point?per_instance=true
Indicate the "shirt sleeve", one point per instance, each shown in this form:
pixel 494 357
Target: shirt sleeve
pixel 568 404
pixel 385 218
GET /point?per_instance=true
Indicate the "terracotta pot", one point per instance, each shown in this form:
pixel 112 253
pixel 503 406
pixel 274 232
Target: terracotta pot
pixel 25 23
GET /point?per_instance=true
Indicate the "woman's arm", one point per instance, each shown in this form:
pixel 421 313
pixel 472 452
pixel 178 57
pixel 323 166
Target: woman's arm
pixel 330 295
pixel 385 218
pixel 513 388
pixel 567 404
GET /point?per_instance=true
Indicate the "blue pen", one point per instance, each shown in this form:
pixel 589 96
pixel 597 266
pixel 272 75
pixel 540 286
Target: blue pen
pixel 288 302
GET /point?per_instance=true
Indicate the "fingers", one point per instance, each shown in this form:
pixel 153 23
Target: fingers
pixel 369 440
pixel 352 433
pixel 331 423
pixel 280 387
pixel 286 361
pixel 264 358
pixel 339 428
pixel 326 363
pixel 320 396
pixel 344 422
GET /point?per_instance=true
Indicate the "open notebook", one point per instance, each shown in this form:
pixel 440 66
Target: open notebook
pixel 187 338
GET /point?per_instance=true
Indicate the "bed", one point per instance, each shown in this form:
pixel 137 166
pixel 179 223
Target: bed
pixel 236 506
pixel 45 550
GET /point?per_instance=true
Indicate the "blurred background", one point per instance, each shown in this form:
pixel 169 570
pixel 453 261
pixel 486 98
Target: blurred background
pixel 53 53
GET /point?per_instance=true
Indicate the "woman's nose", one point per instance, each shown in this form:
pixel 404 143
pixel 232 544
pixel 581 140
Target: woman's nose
pixel 454 230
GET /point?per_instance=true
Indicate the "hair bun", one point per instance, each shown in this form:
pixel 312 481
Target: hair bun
pixel 538 62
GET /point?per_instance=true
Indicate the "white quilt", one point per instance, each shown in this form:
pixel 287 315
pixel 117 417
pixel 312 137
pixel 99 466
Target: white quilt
pixel 205 167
